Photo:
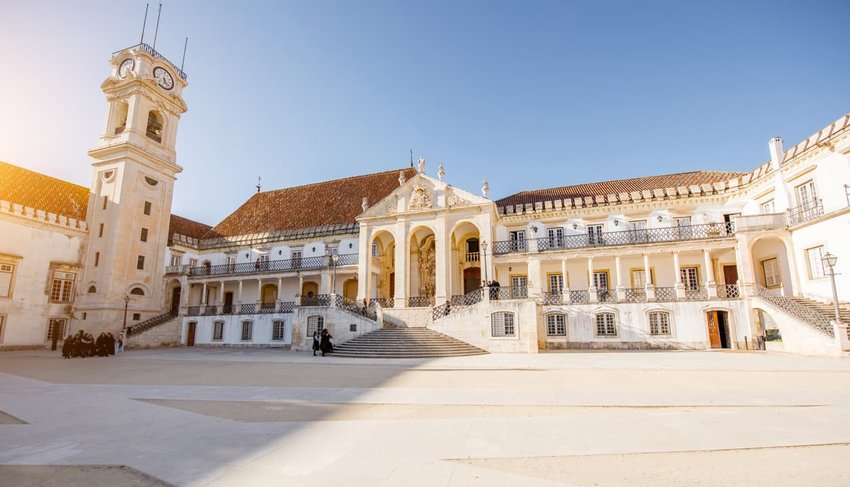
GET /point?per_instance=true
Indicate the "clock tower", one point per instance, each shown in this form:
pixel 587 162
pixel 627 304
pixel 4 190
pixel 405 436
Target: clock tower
pixel 134 166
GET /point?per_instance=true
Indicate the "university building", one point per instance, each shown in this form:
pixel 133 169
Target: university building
pixel 695 260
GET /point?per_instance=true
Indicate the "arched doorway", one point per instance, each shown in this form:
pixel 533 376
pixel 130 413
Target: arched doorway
pixel 310 289
pixel 174 295
pixel 771 265
pixel 471 279
pixel 719 331
pixel 382 266
pixel 349 289
pixel 466 259
pixel 422 278
pixel 268 296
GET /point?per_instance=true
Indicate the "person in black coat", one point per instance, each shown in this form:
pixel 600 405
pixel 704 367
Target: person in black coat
pixel 316 342
pixel 67 346
pixel 326 345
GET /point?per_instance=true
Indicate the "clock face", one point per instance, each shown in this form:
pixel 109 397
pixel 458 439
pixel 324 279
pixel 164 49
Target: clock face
pixel 163 78
pixel 125 67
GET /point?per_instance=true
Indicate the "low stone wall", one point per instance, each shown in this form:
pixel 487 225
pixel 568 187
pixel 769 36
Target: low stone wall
pixel 410 317
pixel 337 321
pixel 472 325
pixel 798 337
pixel 12 348
pixel 164 335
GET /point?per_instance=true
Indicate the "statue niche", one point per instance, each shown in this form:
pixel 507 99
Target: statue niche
pixel 427 266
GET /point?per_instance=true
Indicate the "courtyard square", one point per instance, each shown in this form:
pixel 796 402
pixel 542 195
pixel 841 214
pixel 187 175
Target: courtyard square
pixel 271 417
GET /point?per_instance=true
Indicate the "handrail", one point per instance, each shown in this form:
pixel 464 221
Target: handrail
pixel 150 323
pixel 457 303
pixel 807 211
pixel 611 239
pixel 281 265
pixel 805 314
pixel 148 49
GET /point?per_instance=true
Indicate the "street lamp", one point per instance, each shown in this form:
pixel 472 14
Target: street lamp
pixel 335 260
pixel 126 302
pixel 484 253
pixel 830 261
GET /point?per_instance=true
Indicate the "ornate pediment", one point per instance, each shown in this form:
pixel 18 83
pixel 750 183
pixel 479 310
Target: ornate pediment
pixel 420 198
pixel 422 193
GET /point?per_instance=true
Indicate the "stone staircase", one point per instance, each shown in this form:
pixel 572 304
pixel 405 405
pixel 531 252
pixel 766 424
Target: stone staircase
pixel 827 310
pixel 160 331
pixel 405 343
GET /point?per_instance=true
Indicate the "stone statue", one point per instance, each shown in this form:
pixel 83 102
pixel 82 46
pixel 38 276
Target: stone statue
pixel 401 178
pixel 441 173
pixel 421 164
pixel 427 265
pixel 485 188
pixel 364 204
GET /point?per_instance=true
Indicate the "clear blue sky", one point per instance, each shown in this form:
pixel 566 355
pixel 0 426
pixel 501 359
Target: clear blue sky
pixel 528 94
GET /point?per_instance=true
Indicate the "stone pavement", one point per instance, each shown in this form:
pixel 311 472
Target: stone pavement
pixel 271 417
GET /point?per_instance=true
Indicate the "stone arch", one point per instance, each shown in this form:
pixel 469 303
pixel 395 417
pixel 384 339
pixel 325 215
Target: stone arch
pixel 381 268
pixel 310 289
pixel 268 295
pixel 349 289
pixel 174 291
pixel 731 323
pixel 771 258
pixel 156 122
pixel 422 275
pixel 465 271
pixel 138 289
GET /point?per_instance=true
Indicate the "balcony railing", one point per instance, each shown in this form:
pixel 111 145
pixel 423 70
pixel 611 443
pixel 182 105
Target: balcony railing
pixel 611 239
pixel 505 293
pixel 606 295
pixel 282 265
pixel 665 294
pixel 317 300
pixel 177 269
pixel 240 309
pixel 473 256
pixel 805 212
pixel 553 298
pixel 458 302
pixel 384 302
pixel 634 295
pixel 728 291
pixel 579 296
pixel 698 293
pixel 420 301
pixel 148 49
pixel 770 221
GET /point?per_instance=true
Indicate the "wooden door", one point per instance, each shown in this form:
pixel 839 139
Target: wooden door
pixel 392 285
pixel 228 303
pixel 175 299
pixel 190 336
pixel 730 274
pixel 713 330
pixel 471 279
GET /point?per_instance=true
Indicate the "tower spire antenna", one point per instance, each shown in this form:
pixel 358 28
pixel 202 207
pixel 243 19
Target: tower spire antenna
pixel 259 183
pixel 411 158
pixel 144 24
pixel 156 31
pixel 185 45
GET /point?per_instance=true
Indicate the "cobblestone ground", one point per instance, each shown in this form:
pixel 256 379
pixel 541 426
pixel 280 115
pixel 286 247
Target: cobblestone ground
pixel 270 417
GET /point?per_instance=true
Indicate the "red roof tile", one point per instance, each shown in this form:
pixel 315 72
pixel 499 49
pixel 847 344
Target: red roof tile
pixel 618 186
pixel 36 190
pixel 309 206
pixel 186 227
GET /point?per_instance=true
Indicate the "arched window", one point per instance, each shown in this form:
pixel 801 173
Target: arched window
pixel 120 117
pixel 92 289
pixel 606 325
pixel 154 130
pixel 502 324
pixel 659 323
pixel 278 330
pixel 315 324
pixel 247 330
pixel 556 325
pixel 137 291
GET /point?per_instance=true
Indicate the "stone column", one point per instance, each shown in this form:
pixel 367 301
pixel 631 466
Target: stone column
pixel 565 292
pixel 677 268
pixel 535 277
pixel 620 289
pixel 710 285
pixel 401 264
pixel 441 273
pixel 239 295
pixel 204 295
pixel 591 287
pixel 259 292
pixel 364 269
pixel 647 275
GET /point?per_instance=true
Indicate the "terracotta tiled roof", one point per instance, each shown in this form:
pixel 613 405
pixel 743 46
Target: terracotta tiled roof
pixel 186 227
pixel 618 186
pixel 41 192
pixel 309 206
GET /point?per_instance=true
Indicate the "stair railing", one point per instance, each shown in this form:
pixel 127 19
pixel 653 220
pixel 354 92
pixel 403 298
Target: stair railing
pixel 804 313
pixel 151 323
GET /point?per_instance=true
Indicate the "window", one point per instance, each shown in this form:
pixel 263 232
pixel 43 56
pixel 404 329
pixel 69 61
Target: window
pixel 315 324
pixel 193 262
pixel 140 262
pixel 556 283
pixel 147 207
pixel 96 259
pixel 175 260
pixel 100 231
pixel 600 280
pixel 92 289
pixel 690 278
pixel 218 331
pixel 556 237
pixel 517 239
pixel 502 324
pixel 806 194
pixel 638 231
pixel 555 325
pixel 105 201
pixel 144 236
pixel 594 234
pixel 639 278
pixel 374 250
pixel 278 329
pixel 6 273
pixel 637 225
pixel 56 326
pixel 767 207
pixel 605 325
pixel 770 270
pixel 154 129
pixel 60 288
pixel 472 246
pixel 137 291
pixel 352 328
pixel 659 323
pixel 296 259
pixel 247 331
pixel 137 316
pixel 814 256
pixel 684 226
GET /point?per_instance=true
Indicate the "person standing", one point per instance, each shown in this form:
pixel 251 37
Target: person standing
pixel 316 342
pixel 326 345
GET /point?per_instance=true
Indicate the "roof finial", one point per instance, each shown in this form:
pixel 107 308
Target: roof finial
pixel 485 188
pixel 421 164
pixel 259 184
pixel 411 158
pixel 441 172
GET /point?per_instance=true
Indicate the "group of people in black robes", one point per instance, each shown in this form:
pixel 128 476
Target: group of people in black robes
pixel 83 344
pixel 322 342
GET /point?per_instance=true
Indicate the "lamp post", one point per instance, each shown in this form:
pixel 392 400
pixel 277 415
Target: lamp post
pixel 830 261
pixel 484 254
pixel 126 302
pixel 335 260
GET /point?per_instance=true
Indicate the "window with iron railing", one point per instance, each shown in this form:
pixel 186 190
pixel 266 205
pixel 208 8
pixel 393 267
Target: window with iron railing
pixel 606 325
pixel 556 325
pixel 502 325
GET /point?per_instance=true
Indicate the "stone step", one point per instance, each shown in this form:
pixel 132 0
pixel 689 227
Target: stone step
pixel 405 343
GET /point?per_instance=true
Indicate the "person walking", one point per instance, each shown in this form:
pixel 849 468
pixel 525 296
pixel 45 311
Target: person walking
pixel 326 345
pixel 316 342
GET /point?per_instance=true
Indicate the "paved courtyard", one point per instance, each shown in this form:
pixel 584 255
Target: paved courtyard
pixel 270 417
